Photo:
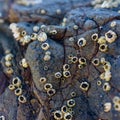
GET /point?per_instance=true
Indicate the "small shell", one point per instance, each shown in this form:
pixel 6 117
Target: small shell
pixel 107 76
pixel 58 115
pixel 94 37
pixel 75 27
pixel 33 36
pixel 58 75
pixel 43 80
pixel 73 94
pixel 47 53
pixel 11 87
pixel 42 37
pixel 82 61
pixel 80 66
pixel 107 66
pixel 81 42
pixel 67 116
pixel 106 87
pixel 66 67
pixel 113 24
pixel 47 86
pixel 107 107
pixel 51 92
pixel 53 32
pixel 22 99
pixel 116 99
pixel 58 11
pixel 9 57
pixel 16 82
pixel 103 47
pixel 64 109
pixel 99 83
pixel 9 71
pixel 45 46
pixel 102 60
pixel 102 76
pixel 43 12
pixel 36 28
pixel 66 74
pixel 101 40
pixel 24 63
pixel 110 36
pixel 74 59
pixel 84 86
pixel 23 33
pixel 18 91
pixel 71 103
pixel 117 107
pixel 8 63
pixel 96 62
pixel 47 57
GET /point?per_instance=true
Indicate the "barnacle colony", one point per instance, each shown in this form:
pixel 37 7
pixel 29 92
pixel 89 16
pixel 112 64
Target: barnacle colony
pixel 81 61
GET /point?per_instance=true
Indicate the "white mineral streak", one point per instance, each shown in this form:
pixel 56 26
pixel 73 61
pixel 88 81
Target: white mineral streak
pixel 105 3
pixel 29 2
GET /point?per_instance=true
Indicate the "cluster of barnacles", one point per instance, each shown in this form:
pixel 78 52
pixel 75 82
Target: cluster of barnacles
pixel 66 112
pixel 41 33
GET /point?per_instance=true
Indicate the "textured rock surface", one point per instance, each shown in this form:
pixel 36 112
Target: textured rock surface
pixel 66 22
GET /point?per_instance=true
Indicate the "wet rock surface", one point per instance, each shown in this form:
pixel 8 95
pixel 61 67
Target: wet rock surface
pixel 60 62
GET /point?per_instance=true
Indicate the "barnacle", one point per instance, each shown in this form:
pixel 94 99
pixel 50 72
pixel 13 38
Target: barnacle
pixel 36 28
pixel 43 80
pixel 95 62
pixel 22 99
pixel 81 42
pixel 9 70
pixel 117 107
pixel 64 109
pixel 99 83
pixel 24 63
pixel 106 87
pixel 73 94
pixel 67 116
pixel 75 27
pixel 58 41
pixel 71 103
pixel 18 91
pixel 66 74
pixel 110 36
pixel 23 33
pixel 45 46
pixel 11 87
pixel 94 37
pixel 84 86
pixel 107 106
pixel 66 67
pixel 47 86
pixel 16 81
pixel 58 75
pixel 33 36
pixel 58 115
pixel 51 92
pixel 47 57
pixel 74 59
pixel 101 40
pixel 8 63
pixel 103 47
pixel 82 60
pixel 8 57
pixel 42 37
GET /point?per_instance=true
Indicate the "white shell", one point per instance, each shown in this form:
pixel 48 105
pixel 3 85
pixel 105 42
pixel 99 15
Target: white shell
pixel 107 107
pixel 42 37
